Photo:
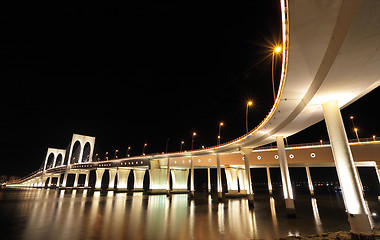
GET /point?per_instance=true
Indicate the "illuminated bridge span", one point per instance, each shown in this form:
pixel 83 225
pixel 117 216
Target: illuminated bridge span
pixel 330 58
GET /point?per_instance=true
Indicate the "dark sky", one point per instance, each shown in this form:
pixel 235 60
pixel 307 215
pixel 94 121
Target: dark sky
pixel 129 74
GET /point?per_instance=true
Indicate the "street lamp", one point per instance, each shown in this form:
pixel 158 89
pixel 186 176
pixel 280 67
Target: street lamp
pixel 143 153
pixel 220 126
pixel 356 133
pixel 116 151
pixel 128 152
pixel 275 51
pixel 192 140
pixel 374 137
pixel 355 128
pixel 106 156
pixel 249 103
pixel 180 148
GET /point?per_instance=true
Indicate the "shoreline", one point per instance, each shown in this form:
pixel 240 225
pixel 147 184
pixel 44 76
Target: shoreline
pixel 342 235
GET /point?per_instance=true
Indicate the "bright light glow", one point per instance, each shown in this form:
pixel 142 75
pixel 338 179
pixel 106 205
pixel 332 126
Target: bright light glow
pixel 277 49
pixel 194 133
pixel 258 157
pixel 352 117
pixel 249 103
pixel 221 124
pixel 291 156
pixel 276 156
pixel 312 155
pixel 355 129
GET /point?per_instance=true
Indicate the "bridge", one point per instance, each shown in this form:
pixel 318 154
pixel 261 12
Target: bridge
pixel 330 58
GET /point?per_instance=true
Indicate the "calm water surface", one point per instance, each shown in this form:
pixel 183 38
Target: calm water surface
pixel 84 214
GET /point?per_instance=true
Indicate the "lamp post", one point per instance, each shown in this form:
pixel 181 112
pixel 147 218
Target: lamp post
pixel 355 128
pixel 106 156
pixel 180 148
pixel 143 152
pixel 275 50
pixel 220 126
pixel 128 152
pixel 249 103
pixel 116 151
pixel 192 140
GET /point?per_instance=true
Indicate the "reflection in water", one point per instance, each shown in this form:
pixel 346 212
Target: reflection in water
pixel 85 214
pixel 317 219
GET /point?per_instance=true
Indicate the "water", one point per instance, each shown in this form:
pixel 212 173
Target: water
pixel 84 214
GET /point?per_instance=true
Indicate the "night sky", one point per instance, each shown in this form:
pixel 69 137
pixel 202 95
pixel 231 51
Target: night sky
pixel 130 74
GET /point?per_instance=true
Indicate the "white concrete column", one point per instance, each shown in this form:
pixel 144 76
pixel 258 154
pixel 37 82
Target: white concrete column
pixel 248 182
pixel 348 178
pixel 111 184
pixel 64 182
pixel 122 181
pixel 310 183
pixel 49 183
pixel 192 178
pixel 219 177
pixel 99 175
pixel 158 181
pixel 139 180
pixel 285 176
pixel 87 179
pixel 168 177
pixel 179 180
pixel 76 179
pixel 58 181
pixel 232 181
pixel 270 189
pixel 208 180
pixel 242 182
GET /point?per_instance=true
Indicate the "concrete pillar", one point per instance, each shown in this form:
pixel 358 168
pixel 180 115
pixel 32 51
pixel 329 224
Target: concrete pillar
pixel 49 183
pixel 76 180
pixel 168 177
pixel 348 178
pixel 58 181
pixel 99 175
pixel 122 181
pixel 219 177
pixel 242 183
pixel 248 182
pixel 310 183
pixel 285 176
pixel 378 178
pixel 270 189
pixel 87 179
pixel 111 184
pixel 208 181
pixel 179 180
pixel 232 182
pixel 192 178
pixel 139 180
pixel 158 181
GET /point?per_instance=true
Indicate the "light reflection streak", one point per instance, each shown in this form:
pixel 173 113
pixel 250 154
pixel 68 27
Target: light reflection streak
pixel 317 219
pixel 221 219
pixel 272 204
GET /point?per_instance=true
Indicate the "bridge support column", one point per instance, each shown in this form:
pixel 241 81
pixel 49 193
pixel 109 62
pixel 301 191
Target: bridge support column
pixel 219 178
pixel 168 177
pixel 65 177
pixel 58 181
pixel 76 180
pixel 269 181
pixel 192 178
pixel 179 180
pixel 248 182
pixel 111 184
pixel 378 178
pixel 310 183
pixel 157 178
pixel 285 176
pixel 348 177
pixel 99 175
pixel 139 180
pixel 242 184
pixel 87 179
pixel 232 182
pixel 122 179
pixel 49 183
pixel 208 181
